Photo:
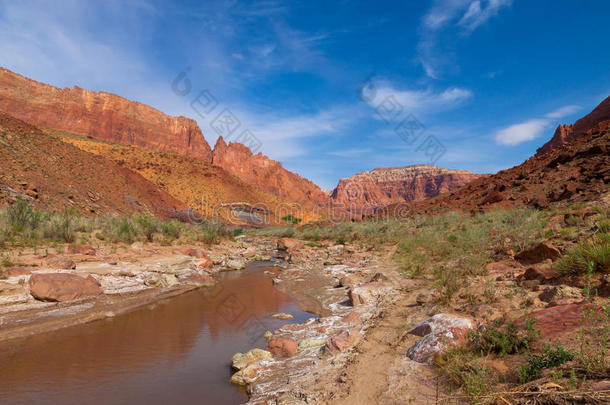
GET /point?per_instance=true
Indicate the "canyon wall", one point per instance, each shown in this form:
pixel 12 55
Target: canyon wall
pixel 266 174
pixel 100 115
pixel 386 186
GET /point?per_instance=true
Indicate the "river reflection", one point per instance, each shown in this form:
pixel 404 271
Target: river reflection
pixel 175 352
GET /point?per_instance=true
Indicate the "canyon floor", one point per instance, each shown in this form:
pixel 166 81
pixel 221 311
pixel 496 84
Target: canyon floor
pixel 385 326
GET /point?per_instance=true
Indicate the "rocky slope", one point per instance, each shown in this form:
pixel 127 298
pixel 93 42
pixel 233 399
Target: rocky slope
pixel 207 189
pixel 577 171
pixel 266 174
pixel 112 118
pixel 100 115
pixel 566 133
pixel 53 174
pixel 380 187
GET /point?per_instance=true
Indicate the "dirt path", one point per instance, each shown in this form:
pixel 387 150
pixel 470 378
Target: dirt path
pixel 380 372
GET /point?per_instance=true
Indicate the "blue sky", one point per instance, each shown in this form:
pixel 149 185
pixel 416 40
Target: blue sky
pixel 320 83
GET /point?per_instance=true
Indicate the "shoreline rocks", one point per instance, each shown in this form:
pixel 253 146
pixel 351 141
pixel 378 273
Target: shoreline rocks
pixel 439 333
pixel 282 347
pixel 59 287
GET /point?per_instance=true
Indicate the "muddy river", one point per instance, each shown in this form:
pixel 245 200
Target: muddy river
pixel 175 352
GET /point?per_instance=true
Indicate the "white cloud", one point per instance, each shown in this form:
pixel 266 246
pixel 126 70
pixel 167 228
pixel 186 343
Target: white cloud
pixel 285 135
pixel 564 111
pixel 418 101
pixel 529 130
pixel 480 11
pixel 442 13
pixel 523 132
pixel 54 44
pixel 459 17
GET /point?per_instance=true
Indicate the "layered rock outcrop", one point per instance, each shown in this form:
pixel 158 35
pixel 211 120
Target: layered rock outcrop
pixel 566 133
pixel 266 174
pixel 100 115
pixel 575 172
pixel 380 187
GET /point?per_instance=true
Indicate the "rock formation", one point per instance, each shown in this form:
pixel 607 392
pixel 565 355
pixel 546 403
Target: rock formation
pixel 107 117
pixel 266 174
pixel 566 133
pixel 99 115
pixel 380 187
pixel 574 172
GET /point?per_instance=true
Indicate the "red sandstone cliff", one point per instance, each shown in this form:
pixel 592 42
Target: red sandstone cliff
pixel 100 115
pixel 575 172
pixel 381 187
pixel 566 133
pixel 266 174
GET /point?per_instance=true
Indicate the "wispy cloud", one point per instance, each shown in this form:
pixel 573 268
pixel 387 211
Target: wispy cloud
pixel 564 111
pixel 351 153
pixel 419 101
pixel 532 129
pixel 447 19
pixel 288 135
pixel 523 132
pixel 480 11
pixel 55 44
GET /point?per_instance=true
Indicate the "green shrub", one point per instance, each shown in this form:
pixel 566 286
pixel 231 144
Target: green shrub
pixel 22 224
pixel 464 371
pixel 22 216
pixel 577 259
pixel 148 226
pixel 503 339
pixel 532 370
pixel 604 225
pixel 171 230
pixel 117 229
pixel 291 219
pixel 61 228
pixel 210 232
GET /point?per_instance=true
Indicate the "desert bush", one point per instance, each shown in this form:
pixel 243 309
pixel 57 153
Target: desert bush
pixel 64 226
pixel 604 225
pixel 275 232
pixel 503 339
pixel 22 216
pixel 597 251
pixel 532 370
pixel 116 229
pixel 464 370
pixel 171 230
pixel 148 226
pixel 593 354
pixel 22 224
pixel 211 232
pixel 291 219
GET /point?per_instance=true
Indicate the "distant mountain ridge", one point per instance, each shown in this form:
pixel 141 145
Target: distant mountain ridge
pixel 384 186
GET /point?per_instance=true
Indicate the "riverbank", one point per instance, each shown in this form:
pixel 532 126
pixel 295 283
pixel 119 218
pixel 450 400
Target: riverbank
pixel 355 353
pixel 106 281
pixel 428 322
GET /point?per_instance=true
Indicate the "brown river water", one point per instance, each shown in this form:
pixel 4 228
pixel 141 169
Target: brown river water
pixel 175 352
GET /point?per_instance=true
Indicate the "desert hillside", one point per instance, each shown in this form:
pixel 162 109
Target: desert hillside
pixel 53 174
